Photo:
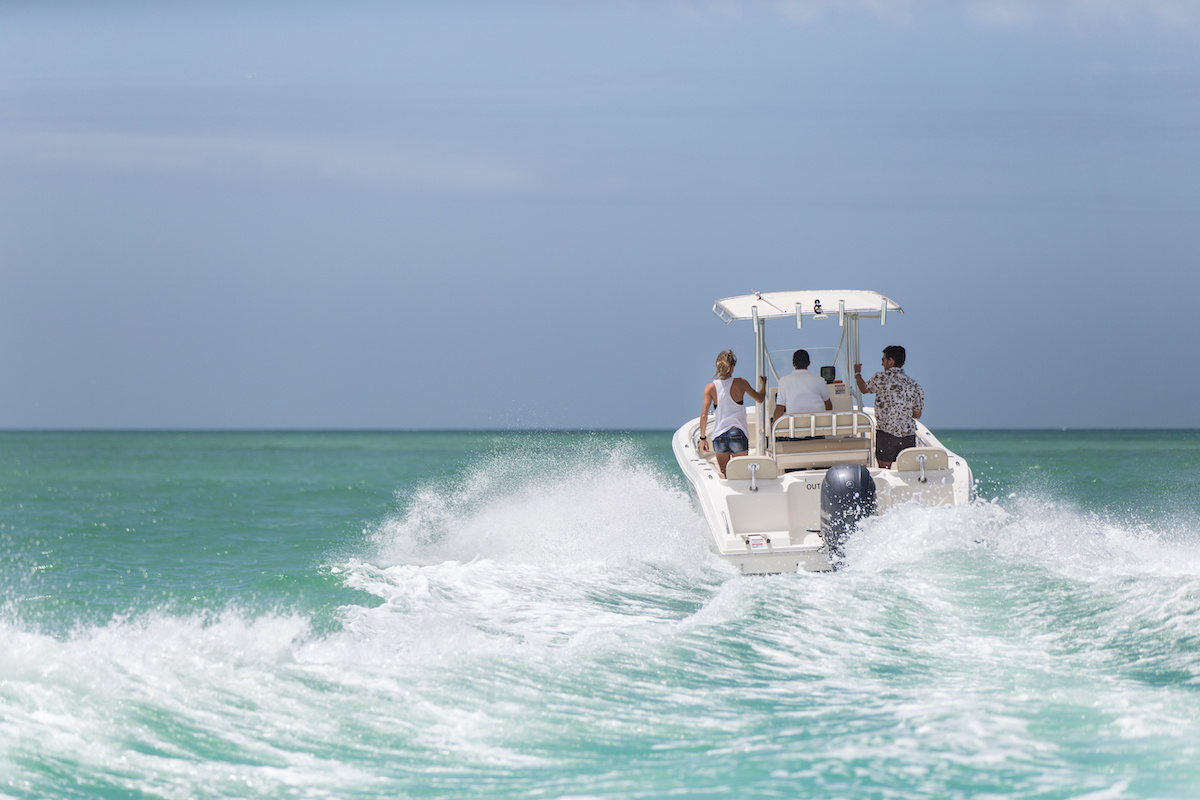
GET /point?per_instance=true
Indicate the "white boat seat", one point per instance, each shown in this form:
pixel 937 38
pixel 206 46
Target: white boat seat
pixel 738 468
pixel 935 459
pixel 822 453
pixel 822 439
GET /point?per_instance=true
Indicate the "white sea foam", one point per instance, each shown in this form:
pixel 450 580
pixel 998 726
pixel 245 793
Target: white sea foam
pixel 562 509
pixel 489 589
pixel 168 705
pixel 1030 528
pixel 534 613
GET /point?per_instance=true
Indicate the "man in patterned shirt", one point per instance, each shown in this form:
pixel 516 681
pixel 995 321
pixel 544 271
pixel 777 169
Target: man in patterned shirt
pixel 898 401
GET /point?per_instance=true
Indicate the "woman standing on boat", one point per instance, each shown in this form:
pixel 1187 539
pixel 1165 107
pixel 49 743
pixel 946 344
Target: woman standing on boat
pixel 727 393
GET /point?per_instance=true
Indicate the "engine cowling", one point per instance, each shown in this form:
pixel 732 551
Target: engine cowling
pixel 847 496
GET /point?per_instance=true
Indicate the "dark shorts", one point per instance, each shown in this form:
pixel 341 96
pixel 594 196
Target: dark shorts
pixel 887 447
pixel 731 441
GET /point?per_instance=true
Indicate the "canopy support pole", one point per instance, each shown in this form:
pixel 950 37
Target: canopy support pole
pixel 760 359
pixel 852 358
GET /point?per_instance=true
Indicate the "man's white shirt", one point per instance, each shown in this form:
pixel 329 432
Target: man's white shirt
pixel 801 391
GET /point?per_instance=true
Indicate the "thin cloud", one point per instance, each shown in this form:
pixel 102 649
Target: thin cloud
pixel 1172 14
pixel 808 11
pixel 387 164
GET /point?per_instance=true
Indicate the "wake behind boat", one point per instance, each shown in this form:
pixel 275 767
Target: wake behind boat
pixel 809 478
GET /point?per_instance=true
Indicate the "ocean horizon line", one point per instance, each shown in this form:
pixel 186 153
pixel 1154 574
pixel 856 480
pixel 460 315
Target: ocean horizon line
pixel 250 429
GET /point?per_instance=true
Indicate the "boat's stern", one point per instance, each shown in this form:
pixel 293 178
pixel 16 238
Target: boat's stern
pixel 766 514
pixel 761 521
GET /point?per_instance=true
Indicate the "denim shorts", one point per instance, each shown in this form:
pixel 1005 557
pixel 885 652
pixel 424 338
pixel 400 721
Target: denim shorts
pixel 731 441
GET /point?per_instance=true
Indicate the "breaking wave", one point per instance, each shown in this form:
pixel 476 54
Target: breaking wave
pixel 514 629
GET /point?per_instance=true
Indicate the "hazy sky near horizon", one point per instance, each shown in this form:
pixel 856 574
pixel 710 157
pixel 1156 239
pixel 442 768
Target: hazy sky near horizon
pixel 509 215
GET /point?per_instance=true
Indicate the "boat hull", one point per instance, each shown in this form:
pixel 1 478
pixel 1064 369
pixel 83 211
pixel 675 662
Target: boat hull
pixel 774 524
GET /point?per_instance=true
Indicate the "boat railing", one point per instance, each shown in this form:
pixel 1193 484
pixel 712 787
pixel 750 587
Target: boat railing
pixel 812 440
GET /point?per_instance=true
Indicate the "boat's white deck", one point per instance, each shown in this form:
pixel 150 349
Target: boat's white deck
pixel 765 514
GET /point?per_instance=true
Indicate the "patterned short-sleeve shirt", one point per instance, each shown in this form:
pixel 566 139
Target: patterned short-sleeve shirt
pixel 897 398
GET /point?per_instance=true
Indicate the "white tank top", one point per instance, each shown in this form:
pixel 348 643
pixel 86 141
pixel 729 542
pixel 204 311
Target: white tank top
pixel 729 414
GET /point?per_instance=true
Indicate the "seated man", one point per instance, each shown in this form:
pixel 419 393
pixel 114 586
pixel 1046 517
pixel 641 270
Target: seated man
pixel 801 391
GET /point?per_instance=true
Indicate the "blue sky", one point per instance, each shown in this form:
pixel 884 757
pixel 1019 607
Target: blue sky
pixel 430 215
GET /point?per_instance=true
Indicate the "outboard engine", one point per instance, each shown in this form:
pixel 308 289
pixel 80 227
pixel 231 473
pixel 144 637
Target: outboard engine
pixel 847 495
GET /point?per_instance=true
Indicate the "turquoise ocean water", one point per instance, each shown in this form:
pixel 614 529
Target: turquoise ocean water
pixel 537 615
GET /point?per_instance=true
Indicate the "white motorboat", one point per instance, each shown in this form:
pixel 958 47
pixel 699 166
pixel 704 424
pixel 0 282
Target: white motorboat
pixel 810 478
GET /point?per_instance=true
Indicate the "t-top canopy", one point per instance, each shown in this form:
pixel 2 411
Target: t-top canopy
pixel 783 304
